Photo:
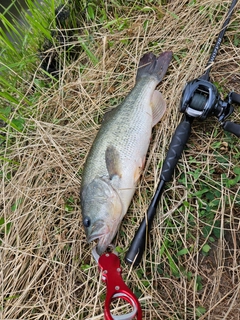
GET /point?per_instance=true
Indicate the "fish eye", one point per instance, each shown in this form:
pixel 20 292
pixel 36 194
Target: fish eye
pixel 86 222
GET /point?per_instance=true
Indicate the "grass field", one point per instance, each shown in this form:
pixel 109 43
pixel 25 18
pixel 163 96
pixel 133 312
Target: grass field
pixel 48 123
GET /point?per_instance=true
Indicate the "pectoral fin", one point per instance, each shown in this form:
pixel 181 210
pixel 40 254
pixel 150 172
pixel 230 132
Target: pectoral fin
pixel 158 105
pixel 112 159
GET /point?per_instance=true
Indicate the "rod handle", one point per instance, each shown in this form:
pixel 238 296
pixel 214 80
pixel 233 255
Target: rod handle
pixel 176 147
pixel 136 250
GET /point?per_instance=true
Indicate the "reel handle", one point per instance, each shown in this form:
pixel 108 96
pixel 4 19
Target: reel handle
pixel 232 127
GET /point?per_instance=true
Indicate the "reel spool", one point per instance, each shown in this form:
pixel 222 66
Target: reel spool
pixel 201 99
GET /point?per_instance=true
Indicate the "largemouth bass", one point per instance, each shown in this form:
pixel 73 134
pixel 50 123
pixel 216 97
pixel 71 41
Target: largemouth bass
pixel 117 156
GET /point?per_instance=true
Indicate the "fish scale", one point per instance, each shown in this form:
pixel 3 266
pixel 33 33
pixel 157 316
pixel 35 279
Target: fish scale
pixel 118 134
pixel 117 156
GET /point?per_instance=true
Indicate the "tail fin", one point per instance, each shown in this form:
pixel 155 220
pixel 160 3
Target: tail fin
pixel 151 65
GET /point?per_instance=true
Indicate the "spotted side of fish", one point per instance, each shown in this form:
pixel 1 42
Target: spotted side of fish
pixel 117 156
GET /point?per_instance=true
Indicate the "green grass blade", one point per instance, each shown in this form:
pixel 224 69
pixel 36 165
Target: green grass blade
pixel 89 53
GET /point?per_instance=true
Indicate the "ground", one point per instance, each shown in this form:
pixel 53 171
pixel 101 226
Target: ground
pixel 191 266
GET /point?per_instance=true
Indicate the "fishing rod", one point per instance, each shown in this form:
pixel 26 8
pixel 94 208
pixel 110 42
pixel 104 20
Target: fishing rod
pixel 200 99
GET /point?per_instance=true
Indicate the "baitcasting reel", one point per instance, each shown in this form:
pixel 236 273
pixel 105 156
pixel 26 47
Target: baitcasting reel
pixel 200 99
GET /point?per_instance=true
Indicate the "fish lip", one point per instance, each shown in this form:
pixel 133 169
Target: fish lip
pixel 98 230
pixel 94 236
pixel 102 244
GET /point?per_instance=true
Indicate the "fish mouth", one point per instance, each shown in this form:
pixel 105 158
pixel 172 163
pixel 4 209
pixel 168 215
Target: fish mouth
pixel 94 236
pixel 101 232
pixel 103 243
pixel 98 230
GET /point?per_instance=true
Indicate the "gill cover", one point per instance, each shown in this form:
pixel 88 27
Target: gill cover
pixel 101 209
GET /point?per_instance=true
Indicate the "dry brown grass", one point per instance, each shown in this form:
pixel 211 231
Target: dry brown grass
pixel 43 256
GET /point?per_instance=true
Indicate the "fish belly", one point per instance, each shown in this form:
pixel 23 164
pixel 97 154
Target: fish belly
pixel 133 158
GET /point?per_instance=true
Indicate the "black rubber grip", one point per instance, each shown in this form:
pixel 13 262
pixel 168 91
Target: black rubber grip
pixel 136 250
pixel 232 127
pixel 175 150
pixel 235 97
